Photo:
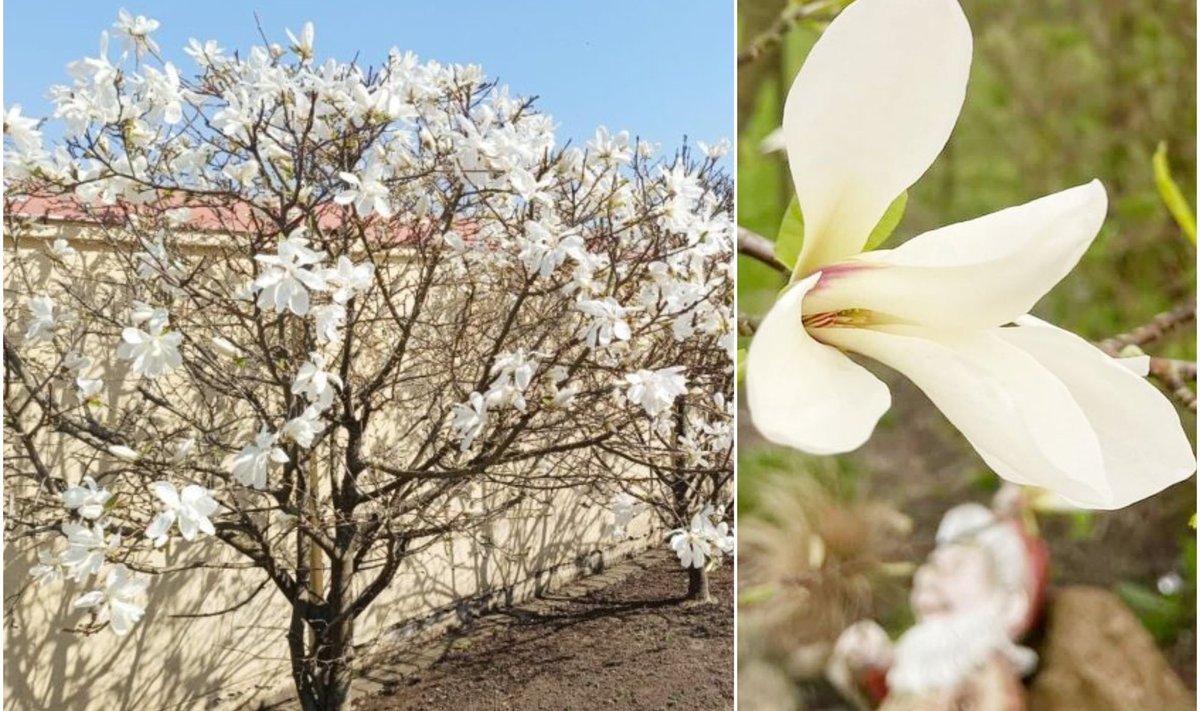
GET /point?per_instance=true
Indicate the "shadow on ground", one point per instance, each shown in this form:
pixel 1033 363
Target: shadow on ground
pixel 618 640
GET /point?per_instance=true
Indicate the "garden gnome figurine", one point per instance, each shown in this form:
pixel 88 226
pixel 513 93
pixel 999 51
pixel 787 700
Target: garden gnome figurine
pixel 973 598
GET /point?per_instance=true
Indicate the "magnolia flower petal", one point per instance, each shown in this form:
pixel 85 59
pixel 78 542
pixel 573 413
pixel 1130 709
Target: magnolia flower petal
pixel 805 394
pixel 980 273
pixel 1143 444
pixel 161 524
pixel 165 491
pixel 1018 415
pixel 89 599
pixel 870 110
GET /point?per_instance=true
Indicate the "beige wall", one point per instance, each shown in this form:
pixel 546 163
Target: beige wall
pixel 235 660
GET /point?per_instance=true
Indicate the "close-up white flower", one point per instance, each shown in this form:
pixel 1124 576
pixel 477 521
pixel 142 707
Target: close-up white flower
pixel 87 498
pixel 42 320
pixel 304 428
pixel 469 419
pixel 136 29
pixel 656 390
pixel 348 278
pixel 153 353
pixel 367 192
pixel 703 542
pixel 62 249
pixel 124 453
pixel 226 347
pixel 119 603
pixel 872 107
pixel 48 569
pixel 189 507
pixel 87 548
pixel 289 275
pixel 315 383
pixel 608 323
pixel 249 465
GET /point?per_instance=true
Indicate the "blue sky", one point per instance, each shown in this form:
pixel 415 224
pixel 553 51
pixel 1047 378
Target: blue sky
pixel 659 68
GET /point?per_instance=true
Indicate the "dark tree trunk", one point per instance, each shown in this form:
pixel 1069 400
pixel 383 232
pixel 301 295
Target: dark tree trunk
pixel 698 585
pixel 326 667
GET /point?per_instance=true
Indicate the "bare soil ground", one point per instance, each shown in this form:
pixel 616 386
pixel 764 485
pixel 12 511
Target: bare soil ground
pixel 620 640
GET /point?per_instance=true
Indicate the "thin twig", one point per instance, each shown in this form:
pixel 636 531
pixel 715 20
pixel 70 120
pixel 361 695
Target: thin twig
pixel 1155 329
pixel 792 14
pixel 758 247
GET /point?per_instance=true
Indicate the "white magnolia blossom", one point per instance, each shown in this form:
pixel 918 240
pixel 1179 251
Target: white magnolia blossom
pixel 544 250
pixel 705 541
pixel 190 508
pixel 22 130
pixel 469 419
pixel 136 32
pixel 349 278
pixel 625 508
pixel 226 347
pixel 656 390
pixel 328 320
pixel 527 186
pixel 205 54
pixel 124 453
pixel 608 321
pixel 87 499
pixel 304 428
pixel 609 147
pixel 62 249
pixel 249 466
pixel 716 150
pixel 119 602
pixel 871 108
pixel 142 313
pixel 284 285
pixel 88 390
pixel 87 549
pixel 367 193
pixel 514 367
pixel 315 383
pixel 153 353
pixel 76 362
pixel 42 320
pixel 47 570
pixel 303 45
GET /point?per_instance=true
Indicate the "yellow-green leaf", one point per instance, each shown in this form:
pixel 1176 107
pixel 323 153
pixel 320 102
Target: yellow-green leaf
pixel 791 235
pixel 889 222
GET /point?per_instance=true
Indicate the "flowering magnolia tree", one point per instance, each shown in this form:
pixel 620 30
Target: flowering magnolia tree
pixel 319 304
pixel 683 460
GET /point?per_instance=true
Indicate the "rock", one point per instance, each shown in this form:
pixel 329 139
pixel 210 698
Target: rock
pixel 1097 656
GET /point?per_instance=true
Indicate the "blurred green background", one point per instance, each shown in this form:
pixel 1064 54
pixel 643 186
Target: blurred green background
pixel 1061 92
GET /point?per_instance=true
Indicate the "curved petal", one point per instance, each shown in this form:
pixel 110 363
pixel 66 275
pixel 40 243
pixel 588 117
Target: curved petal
pixel 1144 446
pixel 870 110
pixel 1018 415
pixel 981 273
pixel 166 493
pixel 805 394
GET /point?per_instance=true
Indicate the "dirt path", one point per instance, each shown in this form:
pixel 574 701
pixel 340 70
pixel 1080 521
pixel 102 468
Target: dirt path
pixel 616 641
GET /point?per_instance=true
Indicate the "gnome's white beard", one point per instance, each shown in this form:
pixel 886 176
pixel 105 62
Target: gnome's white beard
pixel 940 652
